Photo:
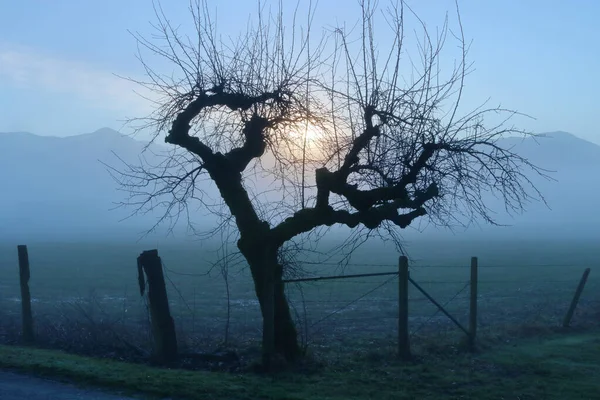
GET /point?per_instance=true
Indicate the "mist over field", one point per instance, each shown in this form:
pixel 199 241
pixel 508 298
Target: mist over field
pixel 312 200
pixel 59 189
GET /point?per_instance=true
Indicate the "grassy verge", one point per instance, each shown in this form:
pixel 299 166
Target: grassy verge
pixel 558 367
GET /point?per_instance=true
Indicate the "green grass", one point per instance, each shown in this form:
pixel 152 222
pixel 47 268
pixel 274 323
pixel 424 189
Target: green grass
pixel 559 367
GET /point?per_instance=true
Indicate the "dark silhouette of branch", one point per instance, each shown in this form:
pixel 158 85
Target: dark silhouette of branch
pixel 388 149
pixel 387 152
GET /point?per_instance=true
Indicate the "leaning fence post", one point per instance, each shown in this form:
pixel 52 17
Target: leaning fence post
pixel 163 327
pixel 473 304
pixel 24 275
pixel 403 336
pixel 584 277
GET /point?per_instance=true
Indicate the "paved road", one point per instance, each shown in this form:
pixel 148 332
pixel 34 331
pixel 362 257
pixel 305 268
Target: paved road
pixel 22 387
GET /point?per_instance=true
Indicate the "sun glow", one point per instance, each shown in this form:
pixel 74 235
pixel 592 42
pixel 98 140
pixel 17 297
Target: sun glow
pixel 311 133
pixel 307 141
pixel 307 135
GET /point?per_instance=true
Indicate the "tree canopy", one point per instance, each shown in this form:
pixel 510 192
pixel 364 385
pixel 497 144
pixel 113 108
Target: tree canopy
pixel 339 128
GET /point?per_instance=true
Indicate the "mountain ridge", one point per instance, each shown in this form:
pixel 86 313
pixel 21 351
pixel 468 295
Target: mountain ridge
pixel 106 131
pixel 57 187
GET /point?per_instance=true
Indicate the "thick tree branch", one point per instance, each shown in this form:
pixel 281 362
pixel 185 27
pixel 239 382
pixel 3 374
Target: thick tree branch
pixel 360 143
pixel 362 200
pixel 216 97
pixel 308 219
pixel 254 144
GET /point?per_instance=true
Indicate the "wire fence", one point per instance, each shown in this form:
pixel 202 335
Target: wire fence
pixel 77 305
pixel 511 301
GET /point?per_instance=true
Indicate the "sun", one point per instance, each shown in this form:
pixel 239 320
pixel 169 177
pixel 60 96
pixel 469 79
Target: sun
pixel 306 140
pixel 311 133
pixel 307 134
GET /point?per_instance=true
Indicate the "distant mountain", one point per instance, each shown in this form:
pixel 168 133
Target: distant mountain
pixel 572 193
pixel 556 150
pixel 56 188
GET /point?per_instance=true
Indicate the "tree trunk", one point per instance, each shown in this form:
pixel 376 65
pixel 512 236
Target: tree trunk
pixel 286 336
pixel 259 251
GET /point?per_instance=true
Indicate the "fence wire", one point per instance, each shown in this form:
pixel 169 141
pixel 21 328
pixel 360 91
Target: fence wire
pixel 342 310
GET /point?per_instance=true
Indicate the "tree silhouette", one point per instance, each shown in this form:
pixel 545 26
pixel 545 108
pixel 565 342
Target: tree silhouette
pixel 349 133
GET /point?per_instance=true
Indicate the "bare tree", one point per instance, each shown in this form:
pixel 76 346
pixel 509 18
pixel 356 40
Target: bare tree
pixel 349 134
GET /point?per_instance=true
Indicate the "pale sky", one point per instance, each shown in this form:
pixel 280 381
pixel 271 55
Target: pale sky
pixel 58 58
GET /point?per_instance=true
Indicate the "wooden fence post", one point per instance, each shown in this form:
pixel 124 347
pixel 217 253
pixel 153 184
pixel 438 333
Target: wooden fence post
pixel 473 304
pixel 584 277
pixel 403 336
pixel 24 275
pixel 163 327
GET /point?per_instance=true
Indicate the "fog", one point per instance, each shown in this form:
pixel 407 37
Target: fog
pixel 59 189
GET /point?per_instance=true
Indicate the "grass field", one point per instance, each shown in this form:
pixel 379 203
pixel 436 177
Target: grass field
pixel 525 287
pixel 560 367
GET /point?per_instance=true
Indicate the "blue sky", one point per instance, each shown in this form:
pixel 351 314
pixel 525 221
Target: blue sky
pixel 58 58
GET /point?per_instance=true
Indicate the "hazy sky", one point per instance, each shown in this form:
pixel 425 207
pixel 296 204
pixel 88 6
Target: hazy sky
pixel 57 58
